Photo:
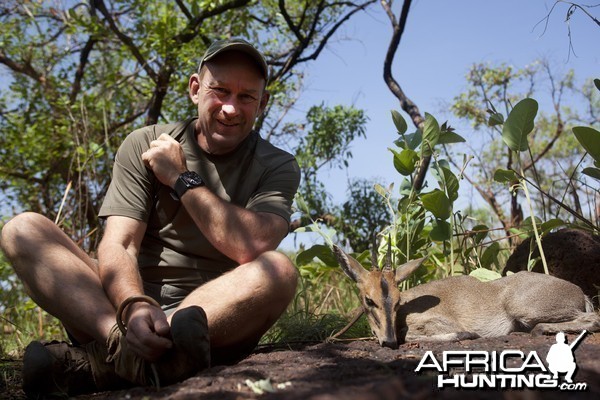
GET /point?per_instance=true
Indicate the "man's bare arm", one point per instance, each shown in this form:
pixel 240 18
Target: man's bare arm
pixel 117 258
pixel 238 233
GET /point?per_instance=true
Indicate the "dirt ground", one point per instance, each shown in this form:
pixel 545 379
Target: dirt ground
pixel 363 370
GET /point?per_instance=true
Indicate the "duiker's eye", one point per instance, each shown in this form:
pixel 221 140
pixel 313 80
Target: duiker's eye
pixel 369 302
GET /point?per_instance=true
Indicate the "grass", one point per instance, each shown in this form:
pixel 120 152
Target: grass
pixel 10 379
pixel 19 327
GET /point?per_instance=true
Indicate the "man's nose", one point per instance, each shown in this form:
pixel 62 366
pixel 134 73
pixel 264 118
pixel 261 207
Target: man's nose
pixel 229 109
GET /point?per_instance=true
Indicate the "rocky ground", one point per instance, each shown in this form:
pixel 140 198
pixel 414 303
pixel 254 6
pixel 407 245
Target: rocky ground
pixel 361 370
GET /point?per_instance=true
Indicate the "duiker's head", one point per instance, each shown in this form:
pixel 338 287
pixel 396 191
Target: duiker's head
pixel 379 294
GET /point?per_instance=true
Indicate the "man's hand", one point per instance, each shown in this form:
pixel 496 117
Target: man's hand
pixel 166 159
pixel 148 331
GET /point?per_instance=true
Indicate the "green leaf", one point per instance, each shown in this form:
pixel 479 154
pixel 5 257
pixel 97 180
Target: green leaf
pixel 505 175
pixel 496 119
pixel 589 138
pixel 380 190
pixel 551 224
pixel 411 141
pixel 452 184
pixel 485 275
pixel 519 124
pixel 441 231
pixel 447 180
pixel 400 122
pixel 448 137
pixel 490 255
pixel 319 251
pixel 431 134
pixel 301 204
pixel 592 172
pixel 597 83
pixel 527 224
pixel 437 203
pixel 405 187
pixel 481 232
pixel 405 161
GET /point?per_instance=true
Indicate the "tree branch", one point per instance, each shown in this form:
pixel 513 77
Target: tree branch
pixel 83 60
pixel 127 41
pixel 405 103
pixel 184 10
pixel 190 31
pixel 25 68
pixel 294 54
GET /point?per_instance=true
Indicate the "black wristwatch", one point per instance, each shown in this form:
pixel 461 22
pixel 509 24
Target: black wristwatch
pixel 186 180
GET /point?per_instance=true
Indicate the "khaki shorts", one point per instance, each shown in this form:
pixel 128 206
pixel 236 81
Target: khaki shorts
pixel 168 296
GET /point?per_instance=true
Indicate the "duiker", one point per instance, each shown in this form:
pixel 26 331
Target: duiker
pixel 463 307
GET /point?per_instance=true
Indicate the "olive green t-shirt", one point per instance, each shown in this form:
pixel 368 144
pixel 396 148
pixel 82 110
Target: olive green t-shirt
pixel 257 176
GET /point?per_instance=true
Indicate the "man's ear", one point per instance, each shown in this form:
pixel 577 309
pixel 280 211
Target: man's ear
pixel 264 101
pixel 194 87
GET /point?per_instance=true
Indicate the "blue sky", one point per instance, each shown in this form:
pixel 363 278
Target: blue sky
pixel 441 41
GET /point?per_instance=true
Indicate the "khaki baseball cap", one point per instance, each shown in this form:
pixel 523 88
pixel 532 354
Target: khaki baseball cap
pixel 236 44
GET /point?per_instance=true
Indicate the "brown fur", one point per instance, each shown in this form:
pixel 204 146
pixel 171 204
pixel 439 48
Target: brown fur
pixel 463 307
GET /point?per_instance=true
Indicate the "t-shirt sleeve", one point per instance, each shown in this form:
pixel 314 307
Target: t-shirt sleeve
pixel 130 191
pixel 277 190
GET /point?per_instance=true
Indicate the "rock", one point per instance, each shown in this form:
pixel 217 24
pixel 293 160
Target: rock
pixel 571 254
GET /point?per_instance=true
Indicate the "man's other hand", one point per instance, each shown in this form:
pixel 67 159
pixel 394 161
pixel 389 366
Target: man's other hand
pixel 148 331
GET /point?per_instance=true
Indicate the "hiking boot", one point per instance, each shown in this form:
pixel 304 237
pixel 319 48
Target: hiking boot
pixel 189 355
pixel 56 369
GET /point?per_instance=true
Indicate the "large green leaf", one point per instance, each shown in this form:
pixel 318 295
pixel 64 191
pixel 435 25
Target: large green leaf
pixel 519 124
pixel 589 138
pixel 441 231
pixel 505 175
pixel 319 251
pixel 405 161
pixel 485 275
pixel 552 224
pixel 448 137
pixel 431 133
pixel 400 122
pixel 437 203
pixel 490 255
pixel 447 180
pixel 481 231
pixel 414 139
pixel 591 171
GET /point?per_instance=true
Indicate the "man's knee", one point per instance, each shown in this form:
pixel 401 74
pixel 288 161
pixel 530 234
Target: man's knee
pixel 278 272
pixel 18 231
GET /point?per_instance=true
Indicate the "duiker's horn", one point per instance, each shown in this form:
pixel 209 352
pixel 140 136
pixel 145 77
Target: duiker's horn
pixel 387 266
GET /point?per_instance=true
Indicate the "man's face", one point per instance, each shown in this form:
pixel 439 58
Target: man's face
pixel 230 95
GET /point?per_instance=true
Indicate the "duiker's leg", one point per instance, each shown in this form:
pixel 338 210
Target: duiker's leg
pixel 587 321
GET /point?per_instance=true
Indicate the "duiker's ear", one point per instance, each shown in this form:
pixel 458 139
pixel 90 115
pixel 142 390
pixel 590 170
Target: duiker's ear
pixel 349 265
pixel 405 270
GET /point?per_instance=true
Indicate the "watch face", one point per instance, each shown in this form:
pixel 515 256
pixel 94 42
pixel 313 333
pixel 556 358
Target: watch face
pixel 192 179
